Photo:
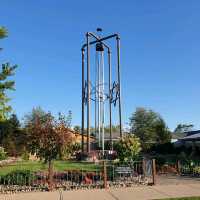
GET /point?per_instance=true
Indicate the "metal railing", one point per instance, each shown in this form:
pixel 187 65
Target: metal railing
pixel 109 174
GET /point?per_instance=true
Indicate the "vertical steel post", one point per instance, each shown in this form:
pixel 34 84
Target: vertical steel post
pixel 110 100
pixel 119 85
pixel 88 93
pixel 154 171
pixel 83 101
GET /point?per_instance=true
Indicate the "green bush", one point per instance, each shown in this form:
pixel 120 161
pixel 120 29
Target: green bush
pixel 25 156
pixel 160 160
pixel 18 177
pixel 3 154
pixel 128 148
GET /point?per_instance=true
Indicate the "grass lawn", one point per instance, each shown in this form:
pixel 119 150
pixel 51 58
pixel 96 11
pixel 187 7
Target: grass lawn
pixel 39 166
pixel 184 198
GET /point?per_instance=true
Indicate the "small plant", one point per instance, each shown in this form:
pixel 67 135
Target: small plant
pixel 25 156
pixel 3 154
pixel 196 170
pixel 18 177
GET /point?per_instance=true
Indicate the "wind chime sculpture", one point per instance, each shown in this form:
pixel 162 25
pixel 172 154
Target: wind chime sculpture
pixel 99 91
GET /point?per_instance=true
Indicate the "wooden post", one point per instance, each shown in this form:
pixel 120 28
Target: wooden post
pixel 144 167
pixel 105 175
pixel 178 167
pixel 50 175
pixel 154 171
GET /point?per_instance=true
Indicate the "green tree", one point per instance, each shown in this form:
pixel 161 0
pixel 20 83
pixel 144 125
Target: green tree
pixel 69 119
pixel 6 85
pixel 128 148
pixel 181 128
pixel 149 127
pixel 3 32
pixel 3 154
pixel 12 137
pixel 162 132
pixel 77 129
pixel 7 70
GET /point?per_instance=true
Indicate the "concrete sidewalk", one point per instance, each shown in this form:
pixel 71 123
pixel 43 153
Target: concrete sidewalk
pixel 137 193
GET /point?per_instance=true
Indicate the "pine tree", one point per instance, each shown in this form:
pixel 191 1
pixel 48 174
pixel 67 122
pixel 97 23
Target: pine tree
pixel 6 71
pixel 3 32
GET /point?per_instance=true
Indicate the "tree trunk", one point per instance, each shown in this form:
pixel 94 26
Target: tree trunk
pixel 50 170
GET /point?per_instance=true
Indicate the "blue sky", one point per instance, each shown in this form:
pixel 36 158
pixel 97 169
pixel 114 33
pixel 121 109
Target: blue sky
pixel 160 54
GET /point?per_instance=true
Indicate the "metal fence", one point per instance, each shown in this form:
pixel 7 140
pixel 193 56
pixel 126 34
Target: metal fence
pixel 107 174
pixel 126 174
pixel 190 169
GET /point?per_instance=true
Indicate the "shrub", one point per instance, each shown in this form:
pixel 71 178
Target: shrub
pixel 160 160
pixel 196 170
pixel 18 177
pixel 25 156
pixel 3 154
pixel 128 148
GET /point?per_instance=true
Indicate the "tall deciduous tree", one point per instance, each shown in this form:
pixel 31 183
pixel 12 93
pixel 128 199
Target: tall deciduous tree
pixel 149 127
pixel 48 138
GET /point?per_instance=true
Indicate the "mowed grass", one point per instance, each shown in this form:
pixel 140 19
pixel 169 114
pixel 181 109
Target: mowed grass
pixel 59 166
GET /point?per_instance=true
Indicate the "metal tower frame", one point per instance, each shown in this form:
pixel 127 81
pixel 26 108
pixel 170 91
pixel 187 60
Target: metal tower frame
pixel 114 96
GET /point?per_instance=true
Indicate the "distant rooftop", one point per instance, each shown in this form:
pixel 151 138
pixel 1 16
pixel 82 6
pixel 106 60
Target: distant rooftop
pixel 192 135
pixel 188 133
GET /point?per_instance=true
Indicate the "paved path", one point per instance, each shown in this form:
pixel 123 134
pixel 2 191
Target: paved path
pixel 175 180
pixel 134 193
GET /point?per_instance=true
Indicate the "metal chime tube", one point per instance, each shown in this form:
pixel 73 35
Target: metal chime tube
pixel 103 95
pixel 96 94
pixel 110 103
pixel 100 98
pixel 99 101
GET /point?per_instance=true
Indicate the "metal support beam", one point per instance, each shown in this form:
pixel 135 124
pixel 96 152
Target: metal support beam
pixel 100 40
pixel 119 85
pixel 83 101
pixel 110 100
pixel 88 93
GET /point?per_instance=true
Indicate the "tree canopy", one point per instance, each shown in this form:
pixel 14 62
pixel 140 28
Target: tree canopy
pixel 47 137
pixel 3 32
pixel 12 137
pixel 7 70
pixel 149 127
pixel 183 128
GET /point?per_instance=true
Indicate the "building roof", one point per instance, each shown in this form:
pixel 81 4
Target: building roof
pixel 188 133
pixel 193 137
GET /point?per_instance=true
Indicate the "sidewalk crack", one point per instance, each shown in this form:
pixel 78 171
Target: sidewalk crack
pixel 112 195
pixel 163 193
